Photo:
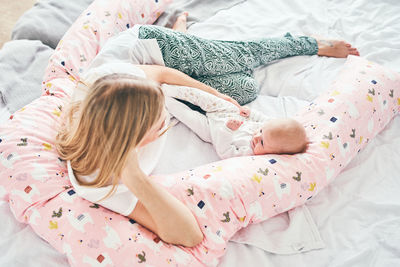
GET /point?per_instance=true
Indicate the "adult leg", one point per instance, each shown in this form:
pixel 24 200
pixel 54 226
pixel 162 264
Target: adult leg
pixel 225 65
pixel 240 86
pixel 198 57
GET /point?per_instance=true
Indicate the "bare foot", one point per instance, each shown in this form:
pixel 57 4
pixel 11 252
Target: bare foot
pixel 335 48
pixel 180 23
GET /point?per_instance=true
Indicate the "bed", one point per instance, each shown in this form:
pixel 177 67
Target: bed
pixel 358 215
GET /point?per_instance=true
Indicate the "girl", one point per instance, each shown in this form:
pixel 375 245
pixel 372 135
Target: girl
pixel 123 112
pixel 107 111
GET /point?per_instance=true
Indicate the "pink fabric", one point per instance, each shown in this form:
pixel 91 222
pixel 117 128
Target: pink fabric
pixel 224 196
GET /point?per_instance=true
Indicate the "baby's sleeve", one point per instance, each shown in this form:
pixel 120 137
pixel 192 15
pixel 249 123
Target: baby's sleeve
pixel 232 150
pixel 206 101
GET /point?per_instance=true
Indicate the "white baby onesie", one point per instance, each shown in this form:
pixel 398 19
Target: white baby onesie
pixel 212 126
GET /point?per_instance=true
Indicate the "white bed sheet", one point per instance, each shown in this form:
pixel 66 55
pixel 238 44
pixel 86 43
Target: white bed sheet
pixel 358 215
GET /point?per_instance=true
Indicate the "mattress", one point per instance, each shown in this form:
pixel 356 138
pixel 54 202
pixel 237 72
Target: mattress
pixel 358 215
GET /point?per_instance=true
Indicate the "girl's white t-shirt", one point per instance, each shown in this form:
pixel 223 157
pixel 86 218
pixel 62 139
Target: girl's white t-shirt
pixel 119 55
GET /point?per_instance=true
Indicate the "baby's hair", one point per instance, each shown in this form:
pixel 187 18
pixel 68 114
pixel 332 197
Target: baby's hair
pixel 293 130
pixel 101 129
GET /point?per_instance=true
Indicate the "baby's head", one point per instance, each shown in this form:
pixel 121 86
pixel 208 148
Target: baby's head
pixel 279 136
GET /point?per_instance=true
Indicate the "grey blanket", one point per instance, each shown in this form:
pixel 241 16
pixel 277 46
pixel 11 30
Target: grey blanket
pixel 22 65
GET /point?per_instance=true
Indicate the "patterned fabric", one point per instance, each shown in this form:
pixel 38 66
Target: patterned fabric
pixel 225 65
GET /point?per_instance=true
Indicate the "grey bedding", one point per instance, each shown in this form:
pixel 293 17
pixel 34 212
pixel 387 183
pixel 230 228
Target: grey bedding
pixel 48 20
pixel 22 64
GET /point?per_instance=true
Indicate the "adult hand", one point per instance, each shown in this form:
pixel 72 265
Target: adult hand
pixel 229 99
pixel 131 167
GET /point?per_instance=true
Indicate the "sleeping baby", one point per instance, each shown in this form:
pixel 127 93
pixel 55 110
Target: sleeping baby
pixel 234 132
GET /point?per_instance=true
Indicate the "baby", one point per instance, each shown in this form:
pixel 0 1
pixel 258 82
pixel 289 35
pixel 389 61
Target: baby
pixel 233 131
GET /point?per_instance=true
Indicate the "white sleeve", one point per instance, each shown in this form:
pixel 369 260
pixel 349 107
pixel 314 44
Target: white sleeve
pixel 226 147
pixel 123 201
pixel 206 101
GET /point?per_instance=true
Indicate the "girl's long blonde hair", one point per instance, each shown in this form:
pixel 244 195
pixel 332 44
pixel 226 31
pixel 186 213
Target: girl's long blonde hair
pixel 101 129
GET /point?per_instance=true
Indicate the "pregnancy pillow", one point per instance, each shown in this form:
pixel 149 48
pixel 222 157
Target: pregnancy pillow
pixel 224 196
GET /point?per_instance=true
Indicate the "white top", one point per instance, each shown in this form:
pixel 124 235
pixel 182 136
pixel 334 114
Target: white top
pixel 212 127
pixel 119 55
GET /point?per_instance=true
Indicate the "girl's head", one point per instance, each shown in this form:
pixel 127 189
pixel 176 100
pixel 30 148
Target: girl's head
pixel 119 113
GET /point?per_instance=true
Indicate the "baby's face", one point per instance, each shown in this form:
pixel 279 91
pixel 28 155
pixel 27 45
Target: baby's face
pixel 279 136
pixel 260 142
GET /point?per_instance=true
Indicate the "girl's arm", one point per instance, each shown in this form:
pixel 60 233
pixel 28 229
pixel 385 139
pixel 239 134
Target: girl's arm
pixel 206 101
pixel 158 210
pixel 167 75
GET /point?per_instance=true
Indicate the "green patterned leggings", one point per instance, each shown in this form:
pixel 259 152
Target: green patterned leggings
pixel 225 65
